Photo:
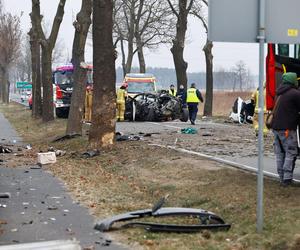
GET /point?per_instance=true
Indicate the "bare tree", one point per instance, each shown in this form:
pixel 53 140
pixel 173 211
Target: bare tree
pixel 181 9
pixel 141 24
pixel 81 25
pixel 10 34
pixel 198 12
pixel 240 75
pixel 47 45
pixel 102 132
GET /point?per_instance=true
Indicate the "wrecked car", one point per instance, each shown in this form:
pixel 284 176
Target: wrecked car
pixel 155 107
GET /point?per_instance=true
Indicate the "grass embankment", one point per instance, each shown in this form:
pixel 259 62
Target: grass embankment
pixel 135 175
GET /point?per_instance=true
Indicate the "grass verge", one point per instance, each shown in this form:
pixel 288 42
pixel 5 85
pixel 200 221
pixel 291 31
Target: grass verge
pixel 134 175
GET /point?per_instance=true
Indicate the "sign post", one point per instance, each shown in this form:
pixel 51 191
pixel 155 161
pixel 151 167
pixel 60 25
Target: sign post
pixel 260 176
pixel 255 21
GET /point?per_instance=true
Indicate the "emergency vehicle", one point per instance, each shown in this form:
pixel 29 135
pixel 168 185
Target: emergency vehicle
pixel 281 58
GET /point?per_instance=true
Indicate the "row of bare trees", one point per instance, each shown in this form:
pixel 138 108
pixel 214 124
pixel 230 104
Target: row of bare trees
pixel 132 24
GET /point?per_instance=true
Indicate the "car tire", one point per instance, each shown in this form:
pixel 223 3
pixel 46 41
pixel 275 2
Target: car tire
pixel 184 115
pixel 61 113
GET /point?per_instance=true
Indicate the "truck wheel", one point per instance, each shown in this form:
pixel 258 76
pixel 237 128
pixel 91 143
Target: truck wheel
pixel 61 113
pixel 184 115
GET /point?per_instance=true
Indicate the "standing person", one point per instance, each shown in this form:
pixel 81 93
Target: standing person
pixel 284 126
pixel 181 94
pixel 121 98
pixel 254 98
pixel 172 90
pixel 192 99
pixel 88 103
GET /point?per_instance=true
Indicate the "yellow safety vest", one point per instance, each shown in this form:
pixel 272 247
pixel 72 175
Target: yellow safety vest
pixel 192 96
pixel 121 94
pixel 171 93
pixel 255 97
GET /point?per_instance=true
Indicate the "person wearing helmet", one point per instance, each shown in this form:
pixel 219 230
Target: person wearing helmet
pixel 192 99
pixel 172 90
pixel 121 99
pixel 284 125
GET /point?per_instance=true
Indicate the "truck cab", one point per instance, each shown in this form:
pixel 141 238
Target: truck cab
pixel 138 83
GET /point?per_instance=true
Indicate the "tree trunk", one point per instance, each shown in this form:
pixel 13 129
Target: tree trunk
pixel 140 54
pixel 48 109
pixel 81 25
pixel 129 60
pixel 4 89
pixel 180 65
pixel 36 77
pixel 102 132
pixel 208 106
pixel 47 45
pixel 123 57
pixel 179 43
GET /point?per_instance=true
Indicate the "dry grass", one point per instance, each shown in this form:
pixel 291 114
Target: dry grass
pixel 134 176
pixel 223 102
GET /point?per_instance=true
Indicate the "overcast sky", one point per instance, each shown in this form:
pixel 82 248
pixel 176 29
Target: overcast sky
pixel 225 54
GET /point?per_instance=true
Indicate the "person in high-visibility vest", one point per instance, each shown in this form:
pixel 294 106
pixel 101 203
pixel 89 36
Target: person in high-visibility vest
pixel 254 98
pixel 193 98
pixel 172 90
pixel 121 99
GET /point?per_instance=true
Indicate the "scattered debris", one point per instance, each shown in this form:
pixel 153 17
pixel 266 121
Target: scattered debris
pixel 28 147
pixel 106 243
pixel 207 134
pixel 127 138
pixel 53 219
pixel 5 150
pixel 52 208
pixel 66 137
pixel 91 153
pixel 189 131
pixel 27 223
pixel 3 222
pixel 38 166
pixel 14 230
pixel 3 205
pixel 5 195
pixel 46 158
pixel 207 220
pixel 60 152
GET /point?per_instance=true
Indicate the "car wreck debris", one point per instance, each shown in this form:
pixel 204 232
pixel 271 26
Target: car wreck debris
pixel 189 131
pixel 5 150
pixel 207 220
pixel 155 107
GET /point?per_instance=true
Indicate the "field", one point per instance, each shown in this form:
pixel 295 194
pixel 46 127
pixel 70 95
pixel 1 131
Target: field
pixel 223 102
pixel 134 175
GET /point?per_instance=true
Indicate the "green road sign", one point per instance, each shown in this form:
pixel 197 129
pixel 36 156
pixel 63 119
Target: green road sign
pixel 24 85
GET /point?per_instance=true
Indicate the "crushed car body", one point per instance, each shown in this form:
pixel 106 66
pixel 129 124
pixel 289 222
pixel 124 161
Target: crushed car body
pixel 155 107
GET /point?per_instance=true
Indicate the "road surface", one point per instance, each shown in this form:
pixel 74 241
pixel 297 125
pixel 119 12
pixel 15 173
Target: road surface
pixel 241 150
pixel 40 208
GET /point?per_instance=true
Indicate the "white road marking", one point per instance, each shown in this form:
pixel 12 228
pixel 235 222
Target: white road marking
pixel 217 159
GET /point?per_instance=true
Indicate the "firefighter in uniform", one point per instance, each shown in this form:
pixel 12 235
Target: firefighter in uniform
pixel 172 90
pixel 121 98
pixel 254 98
pixel 88 104
pixel 192 99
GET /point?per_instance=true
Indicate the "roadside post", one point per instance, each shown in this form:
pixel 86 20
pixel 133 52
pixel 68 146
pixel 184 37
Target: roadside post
pixel 255 21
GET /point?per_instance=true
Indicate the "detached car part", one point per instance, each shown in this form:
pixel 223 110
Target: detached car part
pixel 155 107
pixel 207 220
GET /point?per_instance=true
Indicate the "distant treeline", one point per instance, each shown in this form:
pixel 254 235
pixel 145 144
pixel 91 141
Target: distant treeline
pixel 223 80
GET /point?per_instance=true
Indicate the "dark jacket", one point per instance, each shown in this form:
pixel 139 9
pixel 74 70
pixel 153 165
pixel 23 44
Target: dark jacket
pixel 287 114
pixel 181 93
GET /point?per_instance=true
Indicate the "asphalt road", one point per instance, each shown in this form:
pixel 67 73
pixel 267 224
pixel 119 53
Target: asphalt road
pixel 249 163
pixel 40 208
